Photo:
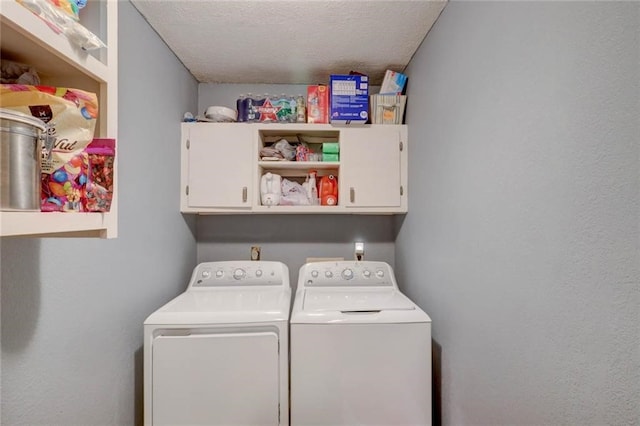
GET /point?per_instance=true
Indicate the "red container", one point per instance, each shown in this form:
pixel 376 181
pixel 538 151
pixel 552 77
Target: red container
pixel 328 190
pixel 318 104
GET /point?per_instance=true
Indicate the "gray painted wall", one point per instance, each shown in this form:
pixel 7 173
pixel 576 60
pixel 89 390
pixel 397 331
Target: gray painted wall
pixel 72 309
pixel 291 239
pixel 522 237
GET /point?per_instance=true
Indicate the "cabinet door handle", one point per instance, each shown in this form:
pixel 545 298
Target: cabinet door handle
pixel 352 195
pixel 244 194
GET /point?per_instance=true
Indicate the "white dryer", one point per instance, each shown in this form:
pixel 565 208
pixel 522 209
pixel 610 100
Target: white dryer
pixel 360 349
pixel 218 353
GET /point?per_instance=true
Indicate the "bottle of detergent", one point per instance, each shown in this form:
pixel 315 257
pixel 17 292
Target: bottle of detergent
pixel 328 192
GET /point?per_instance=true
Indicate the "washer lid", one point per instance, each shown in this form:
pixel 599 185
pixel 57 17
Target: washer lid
pixel 355 300
pixel 225 306
pixel 364 305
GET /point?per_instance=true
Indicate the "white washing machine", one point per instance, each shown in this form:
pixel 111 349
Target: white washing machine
pixel 218 353
pixel 360 349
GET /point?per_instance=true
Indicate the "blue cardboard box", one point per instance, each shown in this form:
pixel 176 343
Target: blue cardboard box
pixel 349 99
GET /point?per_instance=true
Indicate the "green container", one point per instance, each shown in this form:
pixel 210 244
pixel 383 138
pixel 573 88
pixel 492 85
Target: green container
pixel 330 157
pixel 330 148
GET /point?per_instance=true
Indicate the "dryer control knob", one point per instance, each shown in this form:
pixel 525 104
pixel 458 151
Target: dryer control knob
pixel 380 273
pixel 219 274
pixel 314 273
pixel 366 273
pixel 328 274
pixel 347 274
pixel 238 274
pixel 259 273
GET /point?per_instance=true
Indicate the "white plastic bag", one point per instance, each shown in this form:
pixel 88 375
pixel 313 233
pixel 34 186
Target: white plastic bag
pixel 293 194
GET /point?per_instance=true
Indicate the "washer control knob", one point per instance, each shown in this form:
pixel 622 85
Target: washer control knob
pixel 206 273
pixel 259 273
pixel 328 274
pixel 239 274
pixel 347 274
pixel 314 273
pixel 219 274
pixel 366 273
pixel 380 273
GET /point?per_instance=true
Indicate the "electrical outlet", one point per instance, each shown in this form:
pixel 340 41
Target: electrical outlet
pixel 255 252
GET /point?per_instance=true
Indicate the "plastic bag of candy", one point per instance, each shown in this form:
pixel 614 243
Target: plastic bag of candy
pixel 99 191
pixel 63 189
pixel 70 115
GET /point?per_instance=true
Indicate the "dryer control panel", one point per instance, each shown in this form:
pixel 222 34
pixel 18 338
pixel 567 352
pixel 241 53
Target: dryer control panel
pixel 240 273
pixel 347 274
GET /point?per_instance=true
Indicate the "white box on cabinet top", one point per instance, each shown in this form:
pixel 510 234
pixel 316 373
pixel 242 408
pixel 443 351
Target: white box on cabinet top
pixel 221 168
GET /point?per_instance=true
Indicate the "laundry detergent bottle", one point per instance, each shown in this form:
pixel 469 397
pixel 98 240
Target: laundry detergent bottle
pixel 328 190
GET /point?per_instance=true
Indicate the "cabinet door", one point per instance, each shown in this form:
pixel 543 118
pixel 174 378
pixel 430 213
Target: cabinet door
pixel 219 164
pixel 370 172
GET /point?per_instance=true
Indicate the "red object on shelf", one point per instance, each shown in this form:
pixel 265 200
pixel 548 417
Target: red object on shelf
pixel 328 190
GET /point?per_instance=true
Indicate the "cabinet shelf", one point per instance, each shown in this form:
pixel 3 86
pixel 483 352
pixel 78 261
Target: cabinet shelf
pixel 27 39
pixel 55 224
pixel 322 210
pixel 298 165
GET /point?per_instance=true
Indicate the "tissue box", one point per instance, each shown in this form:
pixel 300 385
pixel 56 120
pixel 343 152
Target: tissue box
pixel 349 99
pixel 393 83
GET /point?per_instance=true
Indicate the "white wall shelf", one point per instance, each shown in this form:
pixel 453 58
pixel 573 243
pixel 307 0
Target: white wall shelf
pixel 27 39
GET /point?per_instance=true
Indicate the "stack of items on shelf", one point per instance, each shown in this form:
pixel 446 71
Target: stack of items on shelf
pixel 270 108
pixel 70 171
pixel 345 100
pixel 276 190
pixel 283 150
pixel 388 106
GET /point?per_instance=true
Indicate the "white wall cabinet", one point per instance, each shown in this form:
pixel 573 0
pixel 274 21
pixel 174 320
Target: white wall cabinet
pixel 217 175
pixel 27 39
pixel 374 176
pixel 221 167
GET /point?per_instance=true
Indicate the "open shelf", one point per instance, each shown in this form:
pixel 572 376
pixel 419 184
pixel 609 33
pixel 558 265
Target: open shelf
pixel 55 224
pixel 27 39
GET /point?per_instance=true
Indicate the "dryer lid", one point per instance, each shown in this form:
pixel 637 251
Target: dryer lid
pixel 224 306
pixel 355 300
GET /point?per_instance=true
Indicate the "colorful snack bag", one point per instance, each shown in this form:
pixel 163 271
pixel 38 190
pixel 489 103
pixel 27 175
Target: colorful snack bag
pixel 99 192
pixel 63 189
pixel 70 115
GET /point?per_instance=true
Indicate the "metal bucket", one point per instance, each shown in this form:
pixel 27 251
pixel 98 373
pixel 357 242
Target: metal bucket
pixel 20 150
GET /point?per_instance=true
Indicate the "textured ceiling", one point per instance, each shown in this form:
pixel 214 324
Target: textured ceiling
pixel 290 42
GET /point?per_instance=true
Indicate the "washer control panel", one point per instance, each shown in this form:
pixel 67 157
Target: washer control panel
pixel 240 273
pixel 346 274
